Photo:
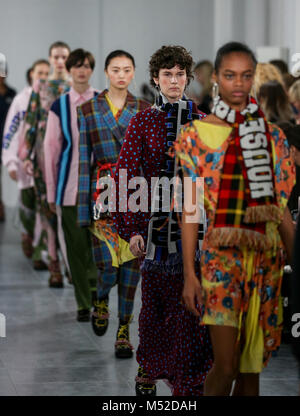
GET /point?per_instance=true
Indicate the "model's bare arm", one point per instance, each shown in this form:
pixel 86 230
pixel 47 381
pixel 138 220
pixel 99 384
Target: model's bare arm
pixel 190 224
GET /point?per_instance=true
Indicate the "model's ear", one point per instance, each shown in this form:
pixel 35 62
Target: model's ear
pixel 214 77
pixel 156 81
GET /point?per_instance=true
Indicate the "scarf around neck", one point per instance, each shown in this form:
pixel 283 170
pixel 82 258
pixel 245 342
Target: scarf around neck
pixel 247 198
pixel 164 237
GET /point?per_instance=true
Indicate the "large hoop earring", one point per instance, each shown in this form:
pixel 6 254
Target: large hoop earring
pixel 215 91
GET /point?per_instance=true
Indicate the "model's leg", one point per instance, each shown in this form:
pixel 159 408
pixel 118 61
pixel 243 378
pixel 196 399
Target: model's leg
pixel 107 278
pixel 129 275
pixel 39 243
pixel 151 333
pixel 91 269
pixel 226 360
pixel 27 218
pixel 77 247
pixel 191 350
pixel 56 278
pixel 34 227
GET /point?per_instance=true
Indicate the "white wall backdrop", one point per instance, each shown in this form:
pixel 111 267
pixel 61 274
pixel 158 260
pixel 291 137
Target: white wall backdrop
pixel 28 27
pixel 142 26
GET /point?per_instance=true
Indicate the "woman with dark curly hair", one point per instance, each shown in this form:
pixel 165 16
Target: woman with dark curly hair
pixel 173 346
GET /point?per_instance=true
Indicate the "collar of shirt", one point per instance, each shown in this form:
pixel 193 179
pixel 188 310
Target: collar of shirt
pixel 75 97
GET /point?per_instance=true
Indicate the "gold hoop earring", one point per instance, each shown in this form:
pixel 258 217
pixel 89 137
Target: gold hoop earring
pixel 215 91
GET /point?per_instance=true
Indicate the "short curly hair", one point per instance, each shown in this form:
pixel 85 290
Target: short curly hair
pixel 168 57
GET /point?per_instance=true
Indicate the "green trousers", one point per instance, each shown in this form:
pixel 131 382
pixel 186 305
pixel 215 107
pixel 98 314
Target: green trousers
pixel 80 258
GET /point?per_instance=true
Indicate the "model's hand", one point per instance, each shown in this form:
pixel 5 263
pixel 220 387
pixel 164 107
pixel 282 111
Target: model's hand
pixel 192 293
pixel 13 175
pixel 52 207
pixel 137 246
pixel 28 167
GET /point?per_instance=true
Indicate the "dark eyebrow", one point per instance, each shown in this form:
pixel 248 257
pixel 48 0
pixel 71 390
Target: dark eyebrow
pixel 233 72
pixel 169 72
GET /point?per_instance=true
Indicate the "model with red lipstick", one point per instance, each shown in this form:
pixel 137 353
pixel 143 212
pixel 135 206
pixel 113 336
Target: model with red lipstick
pixel 248 176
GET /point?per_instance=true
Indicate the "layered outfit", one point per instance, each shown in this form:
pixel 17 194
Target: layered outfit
pixel 61 145
pixel 172 345
pixel 102 130
pixel 43 95
pixel 5 102
pixel 248 177
pixel 32 232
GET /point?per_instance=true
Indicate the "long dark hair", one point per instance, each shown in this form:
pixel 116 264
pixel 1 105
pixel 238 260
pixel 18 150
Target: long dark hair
pixel 274 102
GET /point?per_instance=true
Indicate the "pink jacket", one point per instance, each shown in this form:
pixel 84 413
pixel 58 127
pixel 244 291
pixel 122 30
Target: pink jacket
pixel 12 137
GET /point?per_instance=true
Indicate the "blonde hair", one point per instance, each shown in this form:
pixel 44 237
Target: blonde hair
pixel 265 72
pixel 294 92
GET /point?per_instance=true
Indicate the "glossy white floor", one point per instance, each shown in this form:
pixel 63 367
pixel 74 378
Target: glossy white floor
pixel 47 352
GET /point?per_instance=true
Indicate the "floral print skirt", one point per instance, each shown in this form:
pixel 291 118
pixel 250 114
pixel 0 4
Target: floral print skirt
pixel 241 288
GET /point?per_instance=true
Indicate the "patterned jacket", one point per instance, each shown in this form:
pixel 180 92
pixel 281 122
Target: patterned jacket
pixel 101 139
pixel 147 135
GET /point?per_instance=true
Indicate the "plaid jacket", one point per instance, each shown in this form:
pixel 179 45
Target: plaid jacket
pixel 101 139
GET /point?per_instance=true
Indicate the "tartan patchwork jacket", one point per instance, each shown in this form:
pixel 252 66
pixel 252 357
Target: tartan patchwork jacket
pixel 101 139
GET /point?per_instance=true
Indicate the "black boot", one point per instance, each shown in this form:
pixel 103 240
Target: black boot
pixel 123 348
pixel 100 316
pixel 144 385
